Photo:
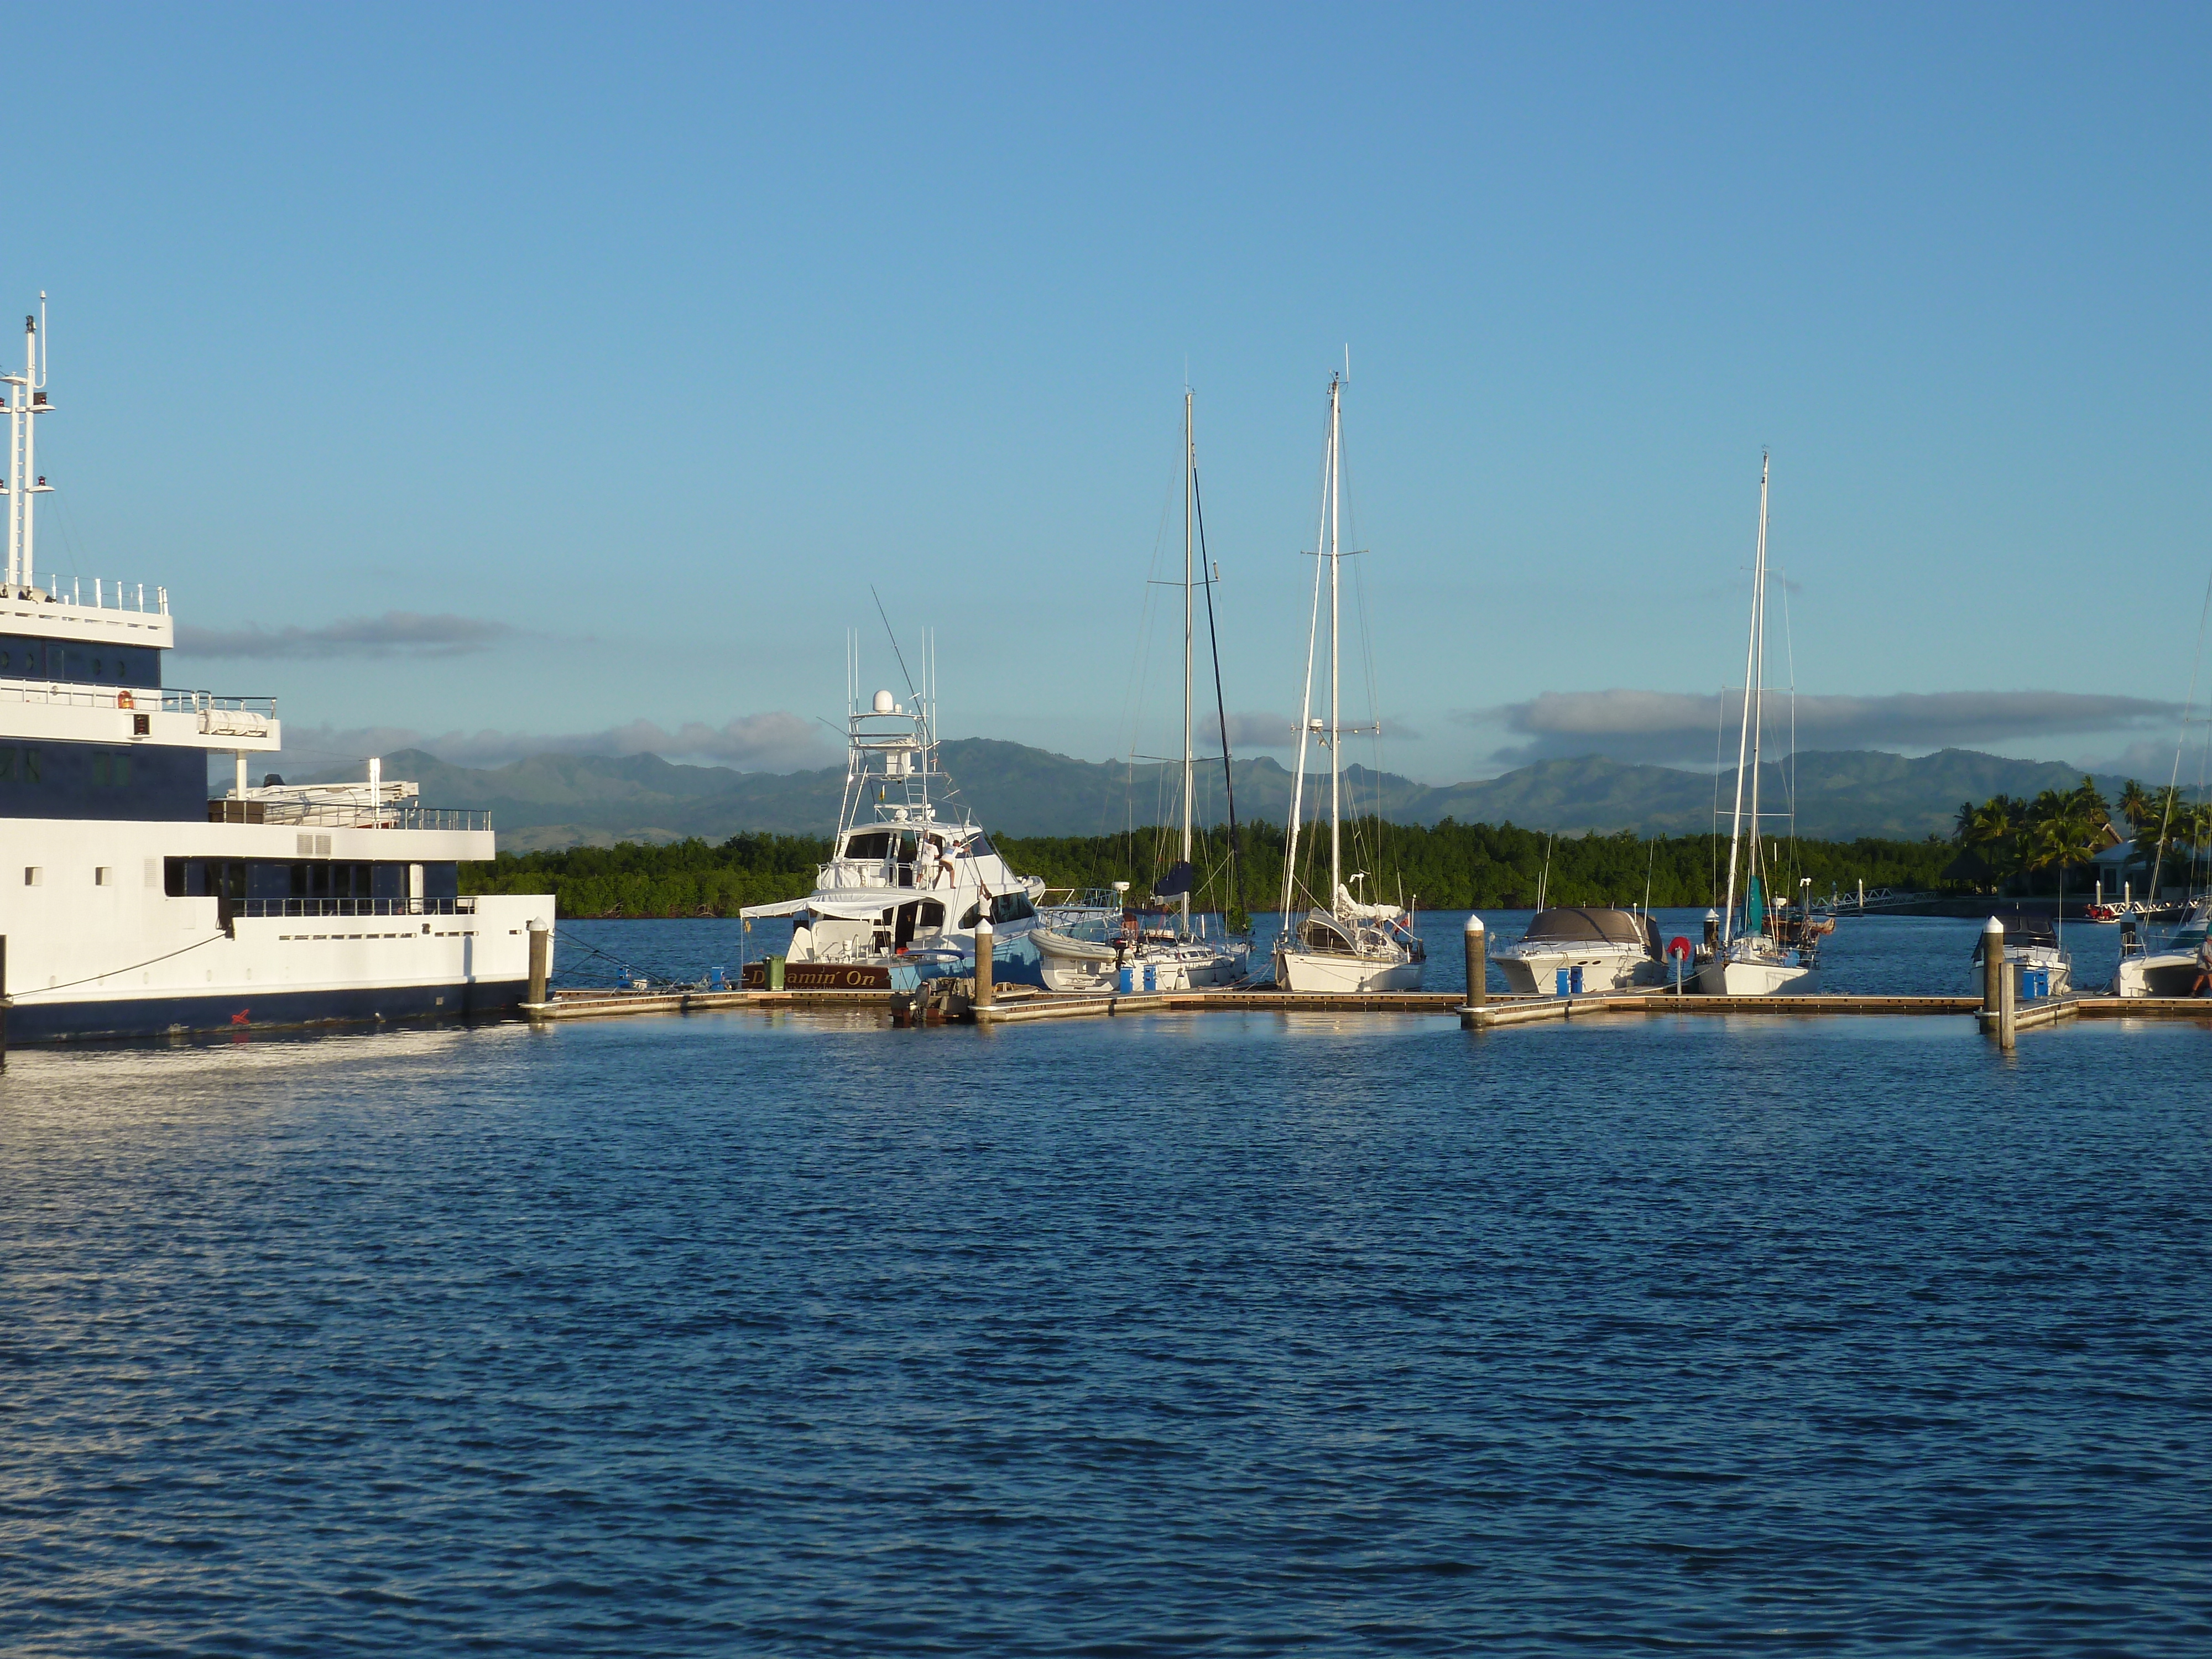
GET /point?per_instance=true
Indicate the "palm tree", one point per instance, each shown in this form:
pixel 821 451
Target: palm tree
pixel 1984 829
pixel 2138 805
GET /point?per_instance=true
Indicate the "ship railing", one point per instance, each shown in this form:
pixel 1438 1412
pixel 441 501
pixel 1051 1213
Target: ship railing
pixel 1072 908
pixel 72 695
pixel 348 815
pixel 108 594
pixel 465 905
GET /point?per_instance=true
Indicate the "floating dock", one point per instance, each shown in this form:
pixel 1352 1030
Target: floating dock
pixel 951 1001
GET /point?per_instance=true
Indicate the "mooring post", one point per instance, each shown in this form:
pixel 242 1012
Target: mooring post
pixel 1478 971
pixel 984 992
pixel 541 962
pixel 2009 1015
pixel 1992 977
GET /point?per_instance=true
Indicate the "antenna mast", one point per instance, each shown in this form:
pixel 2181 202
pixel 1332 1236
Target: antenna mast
pixel 23 480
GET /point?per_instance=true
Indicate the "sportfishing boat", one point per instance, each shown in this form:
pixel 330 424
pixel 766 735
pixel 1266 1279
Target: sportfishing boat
pixel 1345 944
pixel 144 907
pixel 2181 967
pixel 2031 942
pixel 1180 954
pixel 1748 960
pixel 1577 948
pixel 910 873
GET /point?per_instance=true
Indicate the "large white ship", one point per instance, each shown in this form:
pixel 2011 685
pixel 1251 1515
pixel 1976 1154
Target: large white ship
pixel 132 904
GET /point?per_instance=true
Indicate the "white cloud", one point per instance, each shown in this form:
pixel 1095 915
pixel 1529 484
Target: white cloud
pixel 1673 725
pixel 394 634
pixel 773 742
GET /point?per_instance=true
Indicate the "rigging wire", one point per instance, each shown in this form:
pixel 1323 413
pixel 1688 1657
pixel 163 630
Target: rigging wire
pixel 2165 812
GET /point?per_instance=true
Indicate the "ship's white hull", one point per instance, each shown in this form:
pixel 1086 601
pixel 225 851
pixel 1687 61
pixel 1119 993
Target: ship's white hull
pixel 97 947
pixel 2171 973
pixel 1758 976
pixel 1532 971
pixel 1081 965
pixel 1325 973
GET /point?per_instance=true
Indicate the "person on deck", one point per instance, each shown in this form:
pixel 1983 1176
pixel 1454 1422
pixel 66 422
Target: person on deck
pixel 944 864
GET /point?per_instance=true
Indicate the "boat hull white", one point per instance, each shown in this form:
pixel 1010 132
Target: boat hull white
pixel 1079 964
pixel 1726 977
pixel 1536 973
pixel 1326 973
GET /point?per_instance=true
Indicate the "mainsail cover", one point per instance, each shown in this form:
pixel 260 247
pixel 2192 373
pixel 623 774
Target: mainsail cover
pixel 1348 906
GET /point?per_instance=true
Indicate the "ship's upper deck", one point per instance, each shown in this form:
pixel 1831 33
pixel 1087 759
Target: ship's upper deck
pixel 119 614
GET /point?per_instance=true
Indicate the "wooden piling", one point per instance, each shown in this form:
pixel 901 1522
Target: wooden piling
pixel 541 963
pixel 985 990
pixel 1478 972
pixel 2008 1012
pixel 1992 1018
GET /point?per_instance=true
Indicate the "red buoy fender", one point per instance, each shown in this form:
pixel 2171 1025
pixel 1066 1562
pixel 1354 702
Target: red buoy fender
pixel 1680 947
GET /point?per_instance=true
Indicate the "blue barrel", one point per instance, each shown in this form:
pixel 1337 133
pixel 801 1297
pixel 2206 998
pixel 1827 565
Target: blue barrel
pixel 1151 976
pixel 1129 981
pixel 1578 982
pixel 1561 989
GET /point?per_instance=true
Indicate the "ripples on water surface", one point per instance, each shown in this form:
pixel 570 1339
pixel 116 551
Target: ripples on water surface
pixel 1234 1333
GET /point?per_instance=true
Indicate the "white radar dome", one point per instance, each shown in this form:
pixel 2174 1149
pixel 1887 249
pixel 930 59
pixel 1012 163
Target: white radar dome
pixel 886 703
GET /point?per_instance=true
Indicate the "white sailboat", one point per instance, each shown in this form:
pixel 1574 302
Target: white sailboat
pixel 1347 945
pixel 1125 954
pixel 1748 960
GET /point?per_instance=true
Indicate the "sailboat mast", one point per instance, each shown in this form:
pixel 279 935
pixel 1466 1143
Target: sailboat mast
pixel 1743 732
pixel 1758 675
pixel 1189 472
pixel 1305 697
pixel 1336 710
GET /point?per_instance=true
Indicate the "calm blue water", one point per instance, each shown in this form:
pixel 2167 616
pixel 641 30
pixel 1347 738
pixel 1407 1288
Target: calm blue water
pixel 1243 1333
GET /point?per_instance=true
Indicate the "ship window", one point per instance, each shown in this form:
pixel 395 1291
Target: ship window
pixel 34 876
pixel 102 771
pixel 931 914
pixel 7 766
pixel 102 875
pixel 30 766
pixel 96 666
pixel 5 659
pixel 875 844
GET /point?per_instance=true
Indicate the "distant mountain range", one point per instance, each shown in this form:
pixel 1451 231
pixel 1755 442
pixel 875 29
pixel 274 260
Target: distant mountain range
pixel 564 800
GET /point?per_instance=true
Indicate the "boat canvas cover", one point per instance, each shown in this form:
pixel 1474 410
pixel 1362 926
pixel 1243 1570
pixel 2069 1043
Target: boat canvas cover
pixel 842 909
pixel 1586 926
pixel 2022 929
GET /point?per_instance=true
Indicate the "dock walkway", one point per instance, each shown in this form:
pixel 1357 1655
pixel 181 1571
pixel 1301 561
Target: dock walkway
pixel 1022 1005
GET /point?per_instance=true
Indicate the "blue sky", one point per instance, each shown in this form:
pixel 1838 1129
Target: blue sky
pixel 545 375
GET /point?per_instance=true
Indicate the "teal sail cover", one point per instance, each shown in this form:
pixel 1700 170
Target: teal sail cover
pixel 1754 909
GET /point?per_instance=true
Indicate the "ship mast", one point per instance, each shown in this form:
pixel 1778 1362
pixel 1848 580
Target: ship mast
pixel 23 480
pixel 1759 688
pixel 1744 739
pixel 1335 708
pixel 1189 474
